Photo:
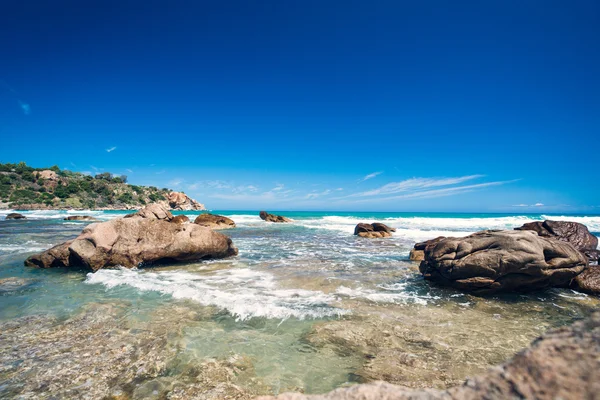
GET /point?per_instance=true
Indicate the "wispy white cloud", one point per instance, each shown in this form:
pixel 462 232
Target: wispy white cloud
pixel 110 149
pixel 26 108
pixel 371 176
pixel 529 205
pixel 538 205
pixel 415 184
pixel 175 182
pixel 314 195
pixel 129 170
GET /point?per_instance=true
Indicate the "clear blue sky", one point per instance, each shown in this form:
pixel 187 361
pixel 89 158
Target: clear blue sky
pixel 333 105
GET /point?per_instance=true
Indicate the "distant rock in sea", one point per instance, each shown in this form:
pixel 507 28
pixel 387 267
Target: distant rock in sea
pixel 265 216
pixel 15 216
pixel 148 236
pixel 214 221
pixel 181 201
pixel 79 218
pixel 374 230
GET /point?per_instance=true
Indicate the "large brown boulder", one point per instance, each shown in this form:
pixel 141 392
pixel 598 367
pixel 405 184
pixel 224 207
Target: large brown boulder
pixel 572 232
pixel 15 216
pixel 561 364
pixel 494 261
pixel 136 240
pixel 374 230
pixel 181 201
pixel 273 218
pixel 180 219
pixel 417 253
pixel 213 221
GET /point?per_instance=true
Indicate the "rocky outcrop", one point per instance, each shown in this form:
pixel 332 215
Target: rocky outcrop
pixel 15 216
pixel 417 253
pixel 145 237
pixel 562 364
pixel 80 218
pixel 46 174
pixel 374 230
pixel 181 201
pixel 588 281
pixel 494 261
pixel 213 221
pixel 265 216
pixel 571 232
pixel 180 219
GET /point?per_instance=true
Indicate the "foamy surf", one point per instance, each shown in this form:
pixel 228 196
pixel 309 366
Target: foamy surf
pixel 242 292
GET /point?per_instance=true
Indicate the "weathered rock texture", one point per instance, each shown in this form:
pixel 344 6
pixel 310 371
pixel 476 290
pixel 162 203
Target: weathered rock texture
pixel 588 281
pixel 80 218
pixel 417 253
pixel 181 201
pixel 273 218
pixel 374 230
pixel 571 232
pixel 493 261
pixel 214 221
pixel 180 219
pixel 145 237
pixel 15 216
pixel 562 364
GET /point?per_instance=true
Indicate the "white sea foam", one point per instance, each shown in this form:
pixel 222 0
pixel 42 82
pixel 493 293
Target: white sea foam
pixel 395 293
pixel 29 246
pixel 243 292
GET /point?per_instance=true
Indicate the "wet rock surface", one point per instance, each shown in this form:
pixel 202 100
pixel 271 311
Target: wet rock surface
pixel 80 218
pixel 97 355
pixel 214 221
pixel 588 281
pixel 144 237
pixel 417 253
pixel 265 216
pixel 15 216
pixel 373 230
pixel 495 261
pixel 571 232
pixel 561 364
pixel 13 284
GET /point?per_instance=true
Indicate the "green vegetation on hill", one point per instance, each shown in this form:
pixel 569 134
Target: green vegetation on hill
pixel 25 187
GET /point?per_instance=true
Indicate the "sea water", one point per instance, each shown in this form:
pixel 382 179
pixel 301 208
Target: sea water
pixel 307 306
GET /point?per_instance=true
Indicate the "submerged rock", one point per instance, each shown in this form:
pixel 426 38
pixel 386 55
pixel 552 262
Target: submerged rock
pixel 417 253
pixel 181 201
pixel 15 216
pixel 79 218
pixel 493 261
pixel 273 218
pixel 144 237
pixel 214 221
pixel 14 284
pixel 571 232
pixel 562 364
pixel 374 230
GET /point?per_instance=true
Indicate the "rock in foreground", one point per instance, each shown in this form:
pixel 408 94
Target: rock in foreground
pixel 588 281
pixel 265 216
pixel 213 221
pixel 374 230
pixel 571 232
pixel 562 364
pixel 494 261
pixel 145 237
pixel 15 216
pixel 417 253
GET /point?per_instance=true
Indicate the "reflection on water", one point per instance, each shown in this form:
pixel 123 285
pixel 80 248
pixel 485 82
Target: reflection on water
pixel 305 307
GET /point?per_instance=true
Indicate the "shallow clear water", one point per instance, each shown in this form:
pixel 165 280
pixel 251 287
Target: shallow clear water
pixel 305 306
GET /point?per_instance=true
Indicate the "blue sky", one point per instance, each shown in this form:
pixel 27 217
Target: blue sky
pixel 331 105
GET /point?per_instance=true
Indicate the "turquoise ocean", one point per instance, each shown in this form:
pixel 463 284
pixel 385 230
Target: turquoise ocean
pixel 304 304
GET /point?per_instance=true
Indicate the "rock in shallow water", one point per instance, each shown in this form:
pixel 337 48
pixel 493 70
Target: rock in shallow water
pixel 494 261
pixel 15 216
pixel 562 364
pixel 144 237
pixel 571 232
pixel 79 218
pixel 265 216
pixel 374 230
pixel 213 221
pixel 417 253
